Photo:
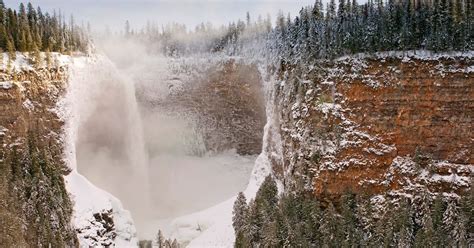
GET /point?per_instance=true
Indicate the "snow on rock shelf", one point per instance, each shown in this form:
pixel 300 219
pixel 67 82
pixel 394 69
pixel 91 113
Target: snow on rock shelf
pixel 99 218
pixel 394 122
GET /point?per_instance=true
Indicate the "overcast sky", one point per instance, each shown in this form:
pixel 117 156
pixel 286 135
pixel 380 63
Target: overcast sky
pixel 114 13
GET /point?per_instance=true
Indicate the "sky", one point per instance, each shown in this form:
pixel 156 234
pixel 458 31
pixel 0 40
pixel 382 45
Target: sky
pixel 114 13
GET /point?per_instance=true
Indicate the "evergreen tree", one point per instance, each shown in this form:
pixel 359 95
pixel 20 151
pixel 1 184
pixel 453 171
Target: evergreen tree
pixel 437 217
pixel 36 56
pixel 1 57
pixel 425 235
pixel 127 28
pixel 330 228
pixel 160 239
pixel 239 213
pixel 453 225
pixel 467 207
pixel 253 229
pixel 404 225
pixel 350 222
pixel 267 197
pixel 11 50
pixel 49 59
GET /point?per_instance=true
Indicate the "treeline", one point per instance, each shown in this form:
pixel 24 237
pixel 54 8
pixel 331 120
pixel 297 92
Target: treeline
pixel 31 30
pixel 299 220
pixel 175 39
pixel 348 28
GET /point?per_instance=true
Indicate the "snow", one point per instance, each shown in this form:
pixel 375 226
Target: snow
pixel 470 69
pixel 406 56
pixel 28 105
pixel 89 200
pixel 3 131
pixel 213 227
pixel 6 85
pixel 23 61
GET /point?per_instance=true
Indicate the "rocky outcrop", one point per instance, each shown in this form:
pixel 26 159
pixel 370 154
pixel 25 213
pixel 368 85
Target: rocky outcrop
pixel 377 125
pixel 35 209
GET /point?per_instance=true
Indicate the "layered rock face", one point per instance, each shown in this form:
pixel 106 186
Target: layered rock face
pixel 35 209
pixel 378 125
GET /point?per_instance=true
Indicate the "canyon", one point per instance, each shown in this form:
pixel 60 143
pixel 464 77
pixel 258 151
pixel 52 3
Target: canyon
pixel 372 125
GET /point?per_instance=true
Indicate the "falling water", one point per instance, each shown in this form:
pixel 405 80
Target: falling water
pixel 106 132
pixel 152 160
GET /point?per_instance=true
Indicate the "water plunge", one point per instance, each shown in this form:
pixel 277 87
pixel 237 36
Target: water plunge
pixel 149 152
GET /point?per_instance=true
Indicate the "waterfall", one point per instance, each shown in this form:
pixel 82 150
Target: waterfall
pixel 104 132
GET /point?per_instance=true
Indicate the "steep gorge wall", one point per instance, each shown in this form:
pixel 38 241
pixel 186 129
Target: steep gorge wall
pixel 35 209
pixel 225 103
pixel 377 125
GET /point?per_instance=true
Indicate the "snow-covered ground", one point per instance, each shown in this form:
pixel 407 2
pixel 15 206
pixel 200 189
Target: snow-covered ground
pixel 23 61
pixel 89 201
pixel 212 227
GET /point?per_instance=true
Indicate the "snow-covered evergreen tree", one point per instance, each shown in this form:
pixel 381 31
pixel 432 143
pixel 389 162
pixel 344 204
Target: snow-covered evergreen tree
pixel 239 213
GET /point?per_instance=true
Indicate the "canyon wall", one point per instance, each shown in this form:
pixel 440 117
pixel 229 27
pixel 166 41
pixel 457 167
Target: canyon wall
pixel 376 125
pixel 35 209
pixel 224 102
pixel 228 106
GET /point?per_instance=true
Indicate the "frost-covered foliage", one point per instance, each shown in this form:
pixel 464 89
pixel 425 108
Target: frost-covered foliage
pixel 300 220
pixel 37 195
pixel 175 40
pixel 442 25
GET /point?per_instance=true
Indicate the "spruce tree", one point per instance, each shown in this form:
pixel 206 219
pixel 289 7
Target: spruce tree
pixel 404 225
pixel 48 58
pixel 253 229
pixel 330 228
pixel 425 235
pixel 437 216
pixel 11 50
pixel 239 212
pixel 453 225
pixel 159 239
pixel 36 56
pixel 467 209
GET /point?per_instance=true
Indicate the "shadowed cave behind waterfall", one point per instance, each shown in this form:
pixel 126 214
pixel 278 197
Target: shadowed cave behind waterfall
pixel 165 141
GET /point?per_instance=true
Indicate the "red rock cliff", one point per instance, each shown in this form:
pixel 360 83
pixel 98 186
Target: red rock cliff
pixel 377 125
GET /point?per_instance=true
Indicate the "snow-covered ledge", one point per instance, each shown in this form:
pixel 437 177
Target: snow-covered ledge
pixel 99 218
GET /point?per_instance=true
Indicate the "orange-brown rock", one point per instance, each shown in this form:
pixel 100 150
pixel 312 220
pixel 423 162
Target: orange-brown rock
pixel 35 208
pixel 378 125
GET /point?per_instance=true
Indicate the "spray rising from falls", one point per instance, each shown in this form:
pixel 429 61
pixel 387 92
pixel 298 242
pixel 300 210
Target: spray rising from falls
pixel 106 132
pixel 159 137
